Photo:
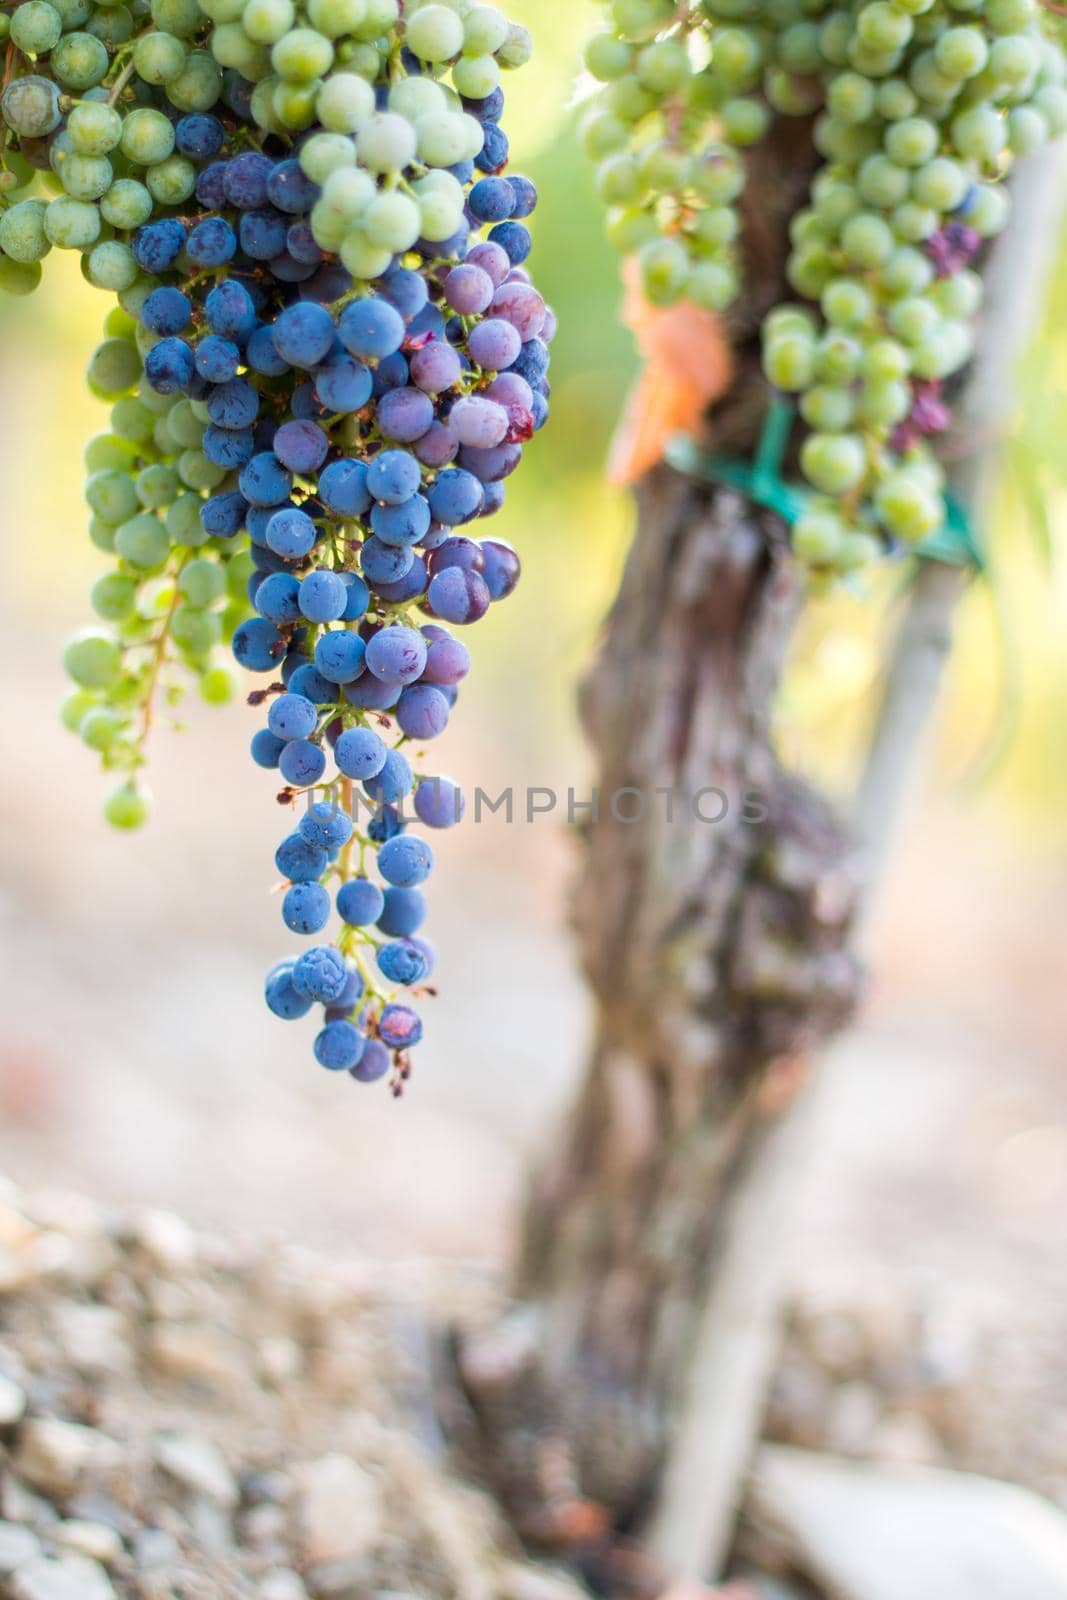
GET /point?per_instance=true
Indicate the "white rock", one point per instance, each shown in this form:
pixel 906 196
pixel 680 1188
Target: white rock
pixel 193 1350
pixel 339 1509
pixel 12 1402
pixel 60 1456
pixel 93 1539
pixel 197 1464
pixel 166 1238
pixel 282 1585
pixel 17 1545
pixel 908 1532
pixel 68 1578
pixel 94 1339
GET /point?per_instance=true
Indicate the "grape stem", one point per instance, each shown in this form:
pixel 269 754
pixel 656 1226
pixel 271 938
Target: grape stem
pixel 9 62
pixel 159 652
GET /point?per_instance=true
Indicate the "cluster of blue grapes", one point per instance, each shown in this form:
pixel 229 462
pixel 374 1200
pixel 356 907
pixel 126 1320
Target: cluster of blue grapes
pixel 325 362
pixel 920 107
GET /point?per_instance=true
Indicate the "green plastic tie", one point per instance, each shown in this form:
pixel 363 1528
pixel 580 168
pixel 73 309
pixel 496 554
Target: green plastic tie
pixel 956 543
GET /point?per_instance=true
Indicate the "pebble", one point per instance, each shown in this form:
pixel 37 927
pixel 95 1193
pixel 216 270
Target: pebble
pixel 282 1585
pixel 68 1578
pixel 193 1351
pixel 92 1539
pixel 57 1456
pixel 165 1237
pixel 17 1545
pixel 197 1464
pixel 339 1509
pixel 154 1548
pixel 94 1339
pixel 12 1402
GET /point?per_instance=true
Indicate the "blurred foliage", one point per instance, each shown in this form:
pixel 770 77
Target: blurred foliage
pixel 572 529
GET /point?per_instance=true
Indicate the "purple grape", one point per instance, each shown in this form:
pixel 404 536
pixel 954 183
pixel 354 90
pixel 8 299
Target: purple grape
pixel 458 596
pixel 469 289
pixel 478 422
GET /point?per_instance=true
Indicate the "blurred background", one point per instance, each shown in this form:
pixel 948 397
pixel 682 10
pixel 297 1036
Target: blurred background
pixel 137 1061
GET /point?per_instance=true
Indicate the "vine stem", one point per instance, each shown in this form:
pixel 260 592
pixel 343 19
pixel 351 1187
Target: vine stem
pixel 159 653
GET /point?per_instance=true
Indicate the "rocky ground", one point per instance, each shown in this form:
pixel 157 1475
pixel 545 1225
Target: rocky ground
pixel 186 1416
pixel 183 1416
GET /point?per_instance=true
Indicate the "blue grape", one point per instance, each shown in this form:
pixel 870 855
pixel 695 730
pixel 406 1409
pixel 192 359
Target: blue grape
pixel 373 1064
pixel 319 974
pixel 394 780
pixel 492 200
pixel 289 188
pixel 265 481
pixel 393 477
pixel 403 913
pixel 403 524
pixel 313 686
pixel 371 329
pixel 199 136
pixel 258 645
pixel 402 962
pixel 230 311
pixel 385 563
pixel 292 717
pixel 340 1047
pixel 301 446
pixel 291 533
pixel 360 902
pixel 422 712
pixel 302 763
pixel 343 384
pixel 216 359
pixel 326 825
pixel 343 488
pixel 306 908
pixel 266 748
pixel 211 243
pixel 245 180
pixel 169 366
pixel 234 404
pixel 166 311
pixel 282 997
pixel 304 334
pixel 397 654
pixel 456 497
pixel 158 245
pixel 278 598
pixel 360 753
pixel 400 1028
pixel 228 447
pixel 339 656
pixel 406 861
pixel 299 860
pixel 439 803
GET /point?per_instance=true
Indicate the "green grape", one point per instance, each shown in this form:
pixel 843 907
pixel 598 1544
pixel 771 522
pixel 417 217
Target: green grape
pixel 217 686
pixel 1013 61
pixel 345 102
pixel 36 27
pixel 846 303
pixel 907 272
pixel 302 55
pixel 818 536
pixel 788 359
pixel 100 728
pixel 608 57
pixel 979 133
pixel 884 403
pixel 629 230
pixel 392 222
pixel 147 137
pixel 267 21
pixel 75 707
pixel 913 320
pixel 111 265
pixel 388 143
pixel 913 223
pixel 435 33
pixel 827 408
pixel 196 632
pixel 907 509
pixel 197 472
pixel 1028 130
pixel 202 582
pixel 912 141
pixel 745 121
pixel 182 519
pixel 127 807
pixel 880 182
pixel 866 239
pixel 883 27
pixel 159 57
pixel 961 52
pixel 712 285
pixel 94 129
pixel 941 184
pixel 85 177
pixel 850 98
pixel 989 211
pixel 113 596
pixel 22 232
pixel 833 462
pixel 79 61
pixel 199 84
pixel 113 26
pixel 93 660
pixel 72 224
pixel 182 18
pixel 664 265
pixel 171 182
pixel 142 542
pixel 336 18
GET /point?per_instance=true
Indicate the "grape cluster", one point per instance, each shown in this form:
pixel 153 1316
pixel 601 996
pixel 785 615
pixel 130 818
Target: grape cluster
pixel 326 359
pixel 920 106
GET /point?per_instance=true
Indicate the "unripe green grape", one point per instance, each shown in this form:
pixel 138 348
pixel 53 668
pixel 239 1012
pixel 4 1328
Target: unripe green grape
pixel 1028 130
pixel 79 61
pixel 22 232
pixel 293 104
pixel 817 537
pixel 475 77
pixel 336 18
pixel 786 319
pixel 1013 61
pixel 36 27
pixel 907 271
pixel 440 215
pixel 186 430
pixel 325 153
pixel 989 211
pixel 72 224
pixel 364 260
pixel 907 509
pixel 827 408
pixel 434 33
pixel 961 52
pixel 94 129
pixel 882 27
pixel 627 100
pixel 127 204
pixel 237 571
pixel 788 360
pixel 267 21
pixel 224 11
pixel 885 361
pixel 712 285
pixel 912 223
pixel 93 660
pixel 113 596
pixel 913 320
pixel 156 486
pixel 392 222
pixel 1051 101
pixel 443 138
pixel 845 303
pixel 837 359
pixel 833 462
pixel 930 83
pixel 603 135
pixel 182 18
pixel 843 142
pixel 388 143
pixel 945 352
pixel 182 520
pixel 202 582
pixel 231 47
pixel 628 229
pixel 410 97
pixel 718 174
pixel 979 133
pixel 745 120
pixel 809 228
pixel 346 194
pixel 199 84
pixel 663 68
pixel 147 137
pixel 664 266
pixel 73 14
pixel 162 438
pixel 884 404
pixel 197 472
pixel 195 632
pixel 912 142
pixel 717 226
pixel 517 49
pixel 850 98
pixel 345 102
pixel 381 17
pixel 112 25
pixel 75 707
pixel 866 239
pixel 159 57
pixel 894 100
pixel 131 419
pixel 101 728
pixel 958 296
pixel 485 31
pixel 835 35
pixel 664 168
pixel 608 57
pixel 639 18
pixel 302 56
pixel 810 269
pixel 1011 16
pixel 941 184
pixel 85 177
pixel 880 182
pixel 111 265
pixel 217 686
pixel 127 807
pixel 791 94
pixel 737 55
pixel 618 180
pixel 327 228
pixel 834 200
